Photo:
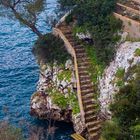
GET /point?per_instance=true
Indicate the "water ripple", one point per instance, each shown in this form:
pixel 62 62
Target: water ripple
pixel 19 71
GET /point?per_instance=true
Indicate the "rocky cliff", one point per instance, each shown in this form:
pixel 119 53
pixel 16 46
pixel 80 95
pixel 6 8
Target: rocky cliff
pixel 115 74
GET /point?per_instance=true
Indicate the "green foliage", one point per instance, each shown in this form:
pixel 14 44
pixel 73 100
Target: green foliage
pixel 26 12
pixel 110 130
pixel 58 98
pixel 136 131
pixel 126 109
pixel 73 101
pixel 96 17
pixel 137 52
pixel 8 132
pixel 120 83
pixel 65 75
pixel 96 67
pixel 69 18
pixel 49 49
pixel 120 73
pixel 119 80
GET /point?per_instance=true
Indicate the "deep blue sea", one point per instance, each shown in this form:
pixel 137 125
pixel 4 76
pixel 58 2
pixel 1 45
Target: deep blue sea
pixel 19 74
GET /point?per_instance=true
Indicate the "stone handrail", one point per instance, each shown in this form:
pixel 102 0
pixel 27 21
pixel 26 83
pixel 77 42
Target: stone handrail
pixel 62 19
pixel 71 50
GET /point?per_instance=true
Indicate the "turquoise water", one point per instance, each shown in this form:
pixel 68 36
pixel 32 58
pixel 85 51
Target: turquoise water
pixel 19 75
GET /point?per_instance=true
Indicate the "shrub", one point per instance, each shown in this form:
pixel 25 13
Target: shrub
pixel 126 110
pixel 96 17
pixel 137 52
pixel 8 132
pixel 111 130
pixel 49 49
pixel 120 73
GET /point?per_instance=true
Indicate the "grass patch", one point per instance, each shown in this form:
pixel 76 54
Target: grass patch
pixel 96 67
pixel 66 74
pixel 63 102
pixel 58 98
pixel 120 73
pixel 137 52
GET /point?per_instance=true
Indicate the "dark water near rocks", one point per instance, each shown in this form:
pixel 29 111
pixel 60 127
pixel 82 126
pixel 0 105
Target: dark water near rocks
pixel 19 74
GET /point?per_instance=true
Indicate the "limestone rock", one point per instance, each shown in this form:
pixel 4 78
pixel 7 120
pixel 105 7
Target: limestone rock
pixel 107 87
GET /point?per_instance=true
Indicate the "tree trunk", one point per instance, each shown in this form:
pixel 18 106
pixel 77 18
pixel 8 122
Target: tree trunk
pixel 36 31
pixel 27 23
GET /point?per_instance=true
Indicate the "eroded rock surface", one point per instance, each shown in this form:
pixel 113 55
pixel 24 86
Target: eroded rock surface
pixel 125 58
pixel 54 79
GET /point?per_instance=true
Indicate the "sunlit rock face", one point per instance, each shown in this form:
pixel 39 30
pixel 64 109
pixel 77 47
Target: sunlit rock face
pixel 55 84
pixel 79 125
pixel 125 58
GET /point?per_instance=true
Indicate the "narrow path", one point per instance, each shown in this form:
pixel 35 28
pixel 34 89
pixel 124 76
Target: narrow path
pixel 86 87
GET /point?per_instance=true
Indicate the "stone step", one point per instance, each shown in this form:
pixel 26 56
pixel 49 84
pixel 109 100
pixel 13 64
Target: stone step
pixel 79 51
pixel 90 96
pixel 77 46
pixel 87 102
pixel 90 118
pixel 82 68
pixel 83 72
pixel 67 32
pixel 89 108
pixel 94 129
pixel 90 105
pixel 84 59
pixel 87 64
pixel 71 40
pixel 81 56
pixel 87 91
pixel 93 124
pixel 90 113
pixel 84 76
pixel 94 136
pixel 87 81
pixel 87 99
pixel 88 87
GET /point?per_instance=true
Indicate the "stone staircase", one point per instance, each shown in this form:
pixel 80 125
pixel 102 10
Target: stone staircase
pixel 129 9
pixel 86 86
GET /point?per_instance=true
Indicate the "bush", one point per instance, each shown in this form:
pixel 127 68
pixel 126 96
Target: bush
pixel 8 132
pixel 96 16
pixel 111 130
pixel 126 110
pixel 49 49
pixel 137 52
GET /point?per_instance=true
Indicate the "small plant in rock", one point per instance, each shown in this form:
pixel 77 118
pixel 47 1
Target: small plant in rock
pixel 137 52
pixel 120 73
pixel 65 74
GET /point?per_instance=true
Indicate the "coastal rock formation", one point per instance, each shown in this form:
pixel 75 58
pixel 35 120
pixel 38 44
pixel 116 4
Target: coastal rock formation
pixel 125 58
pixel 55 85
pixel 79 125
